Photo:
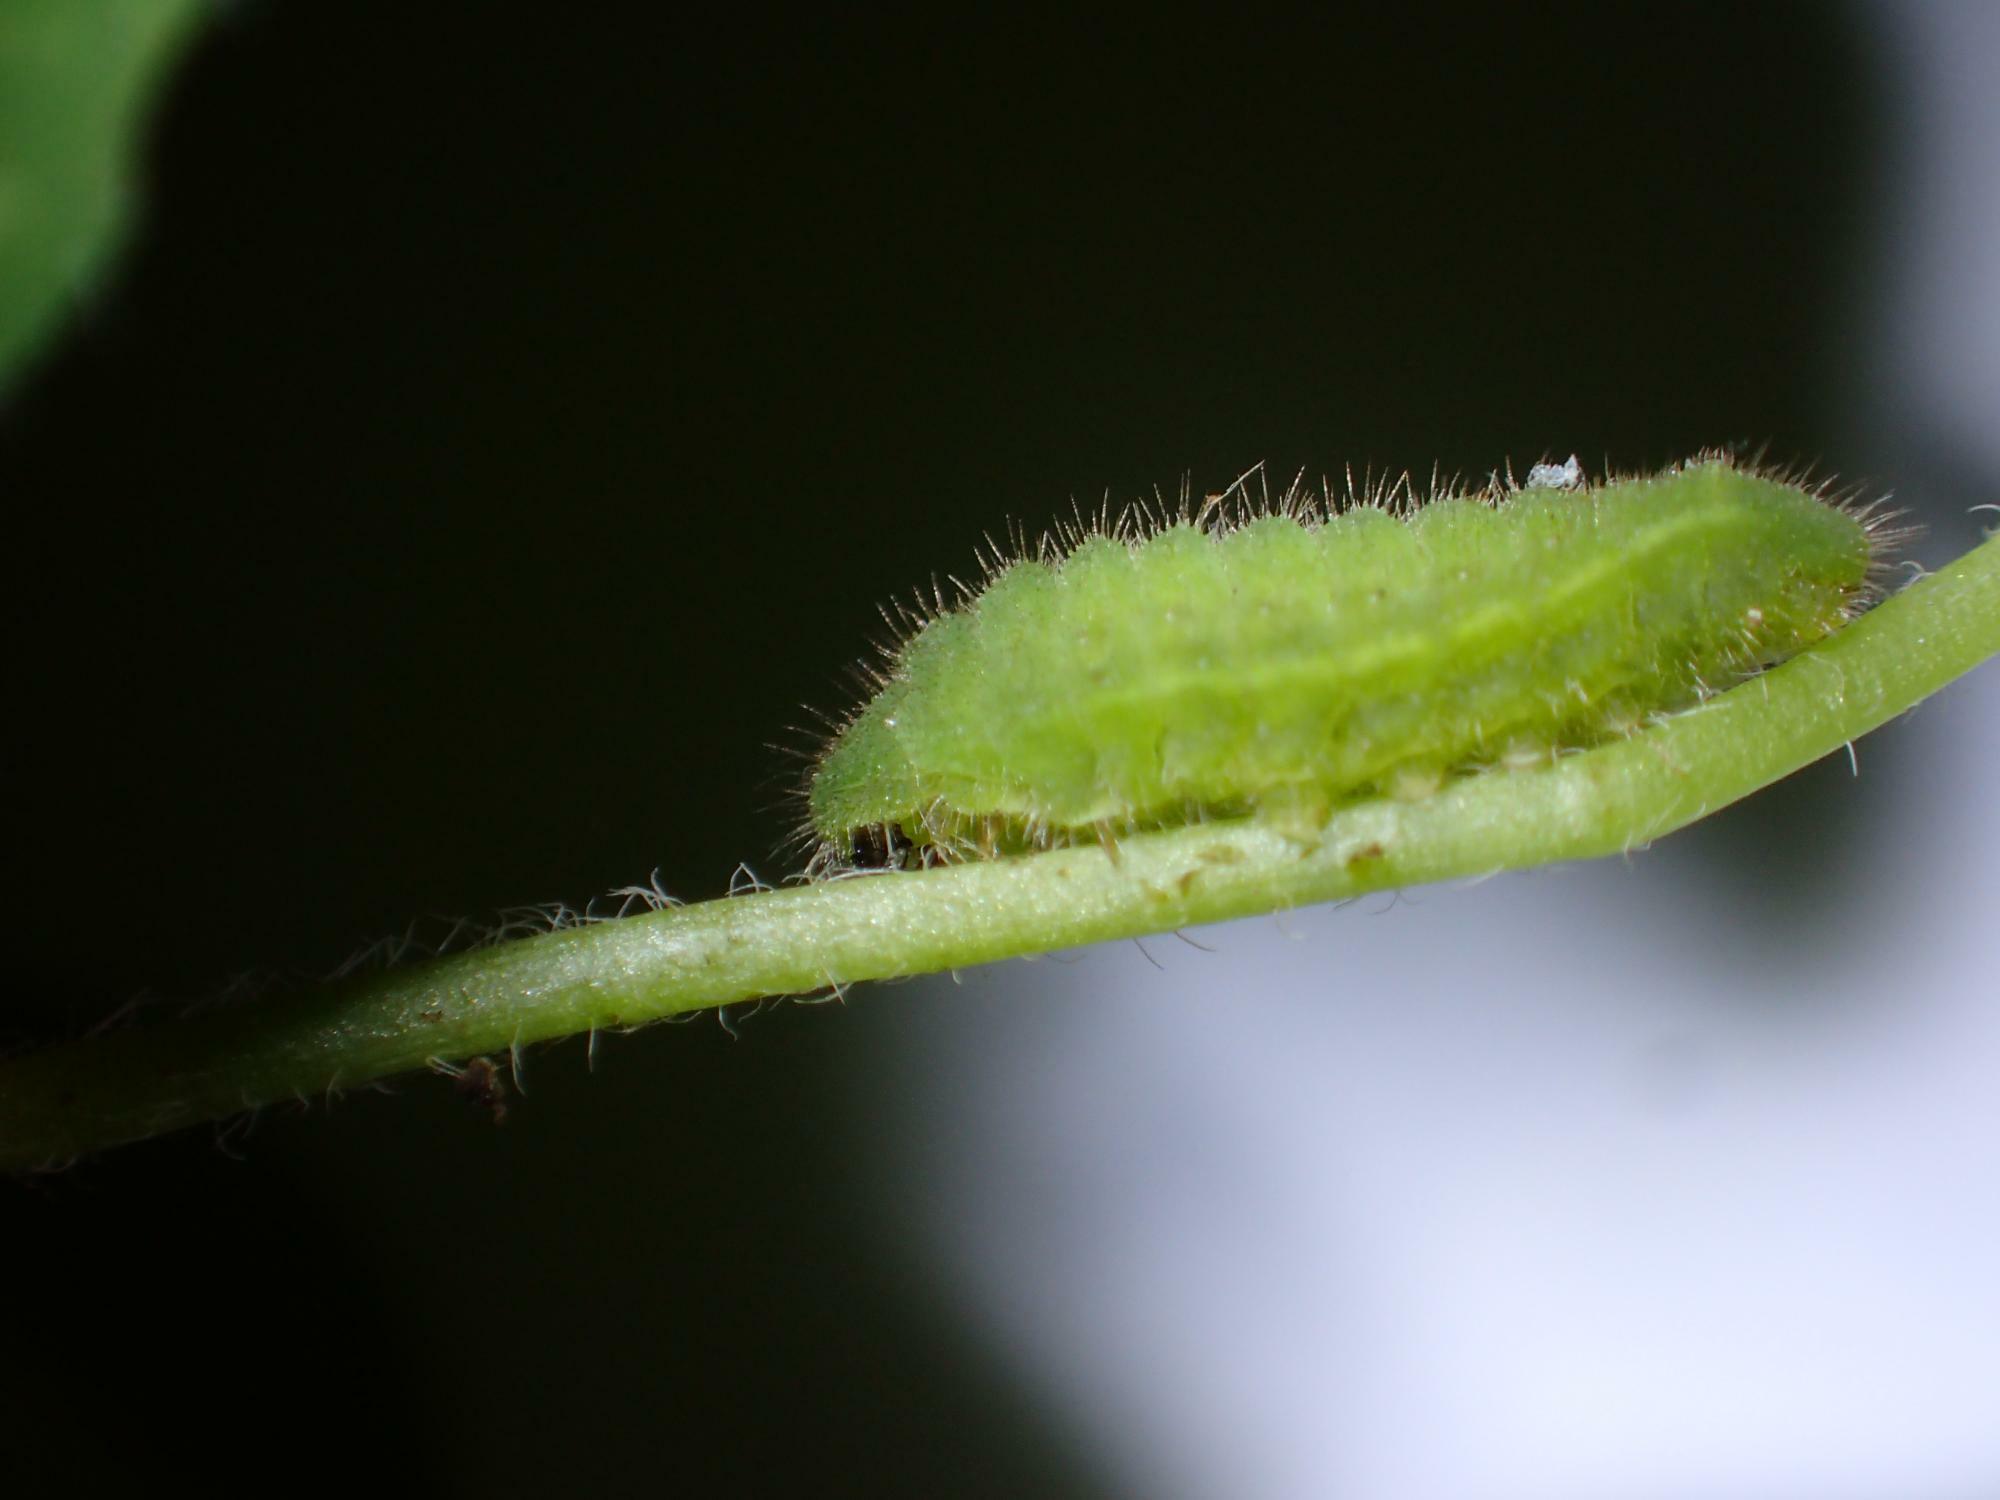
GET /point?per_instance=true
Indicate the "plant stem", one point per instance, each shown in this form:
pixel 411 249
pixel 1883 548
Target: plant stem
pixel 146 1080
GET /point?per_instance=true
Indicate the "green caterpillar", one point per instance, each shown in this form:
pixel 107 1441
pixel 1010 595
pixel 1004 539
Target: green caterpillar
pixel 1282 662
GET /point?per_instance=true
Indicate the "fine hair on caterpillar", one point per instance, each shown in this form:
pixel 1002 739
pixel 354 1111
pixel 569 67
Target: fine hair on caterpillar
pixel 1279 658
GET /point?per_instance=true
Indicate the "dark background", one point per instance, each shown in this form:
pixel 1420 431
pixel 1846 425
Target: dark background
pixel 504 422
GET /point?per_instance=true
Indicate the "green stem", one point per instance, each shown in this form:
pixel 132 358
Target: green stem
pixel 143 1081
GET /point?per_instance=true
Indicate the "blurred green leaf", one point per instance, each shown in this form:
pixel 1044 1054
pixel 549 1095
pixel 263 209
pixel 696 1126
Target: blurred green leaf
pixel 75 78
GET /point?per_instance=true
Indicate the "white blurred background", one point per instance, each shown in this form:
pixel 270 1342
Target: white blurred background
pixel 1577 1183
